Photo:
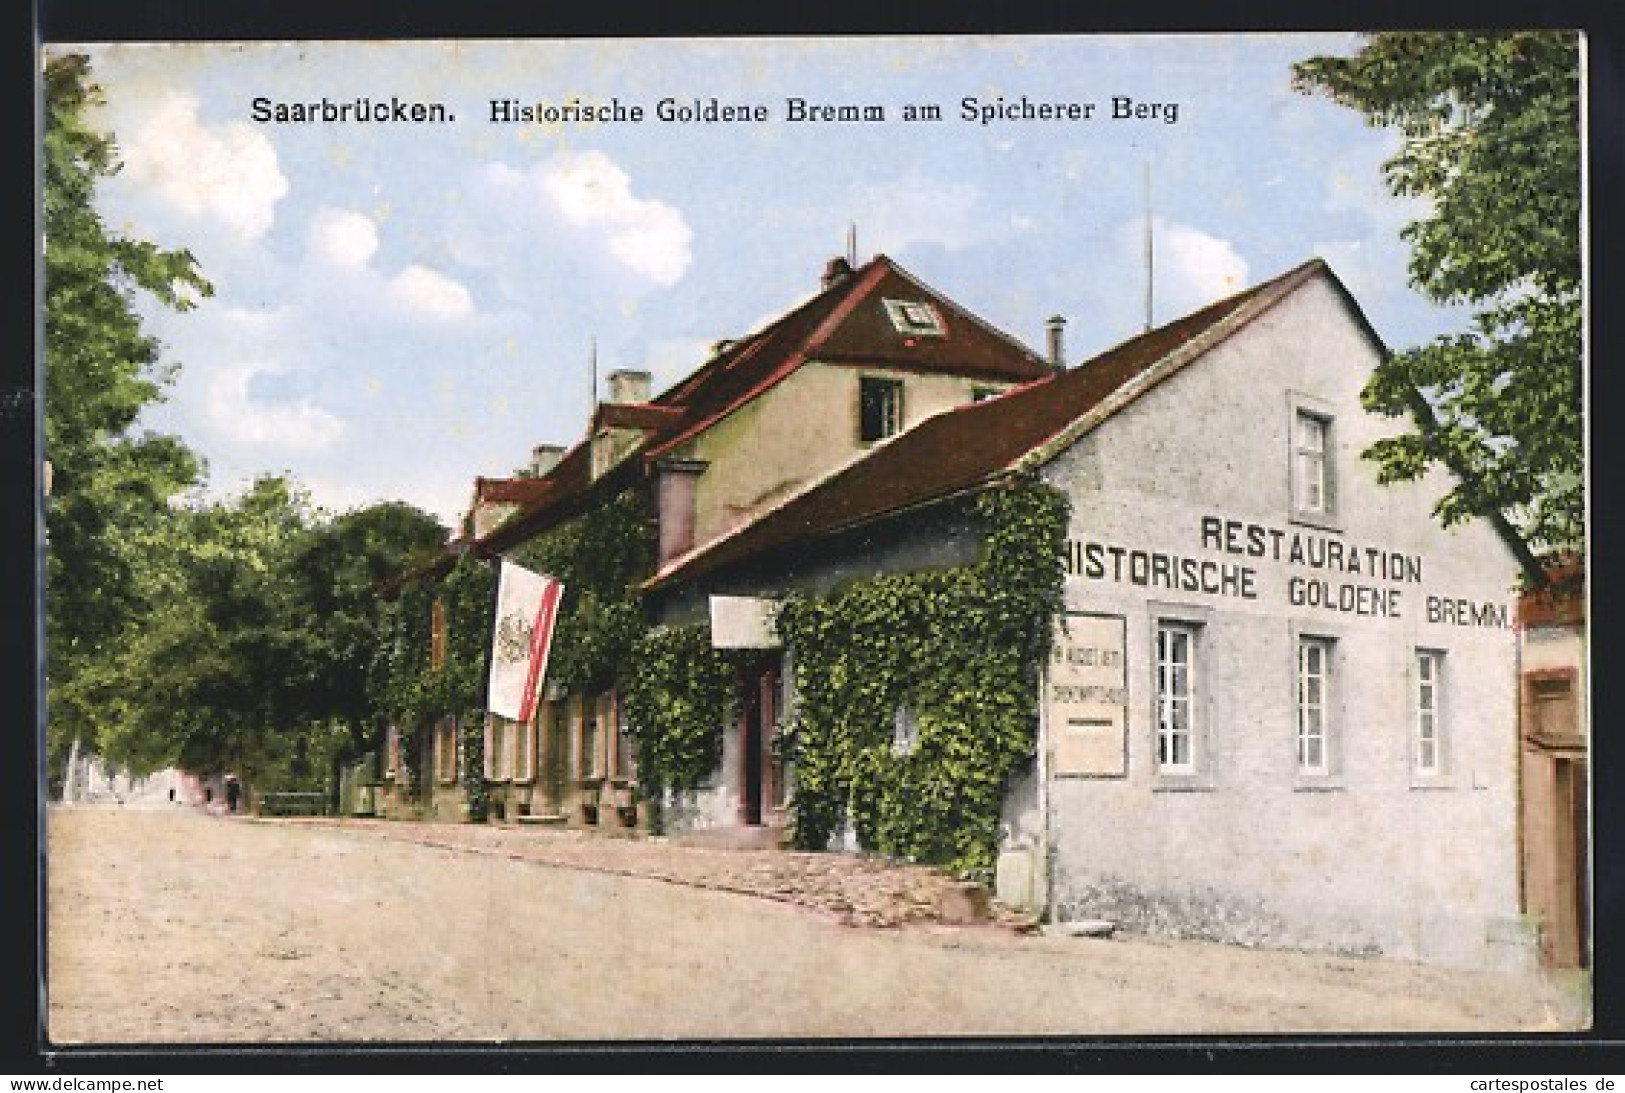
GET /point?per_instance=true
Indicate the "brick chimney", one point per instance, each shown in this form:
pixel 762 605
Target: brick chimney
pixel 544 457
pixel 836 270
pixel 629 385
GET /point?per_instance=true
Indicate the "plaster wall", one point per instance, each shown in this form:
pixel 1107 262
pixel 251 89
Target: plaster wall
pixel 1375 856
pixel 800 429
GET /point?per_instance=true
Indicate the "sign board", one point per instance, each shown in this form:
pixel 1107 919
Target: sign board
pixel 1086 697
pixel 744 622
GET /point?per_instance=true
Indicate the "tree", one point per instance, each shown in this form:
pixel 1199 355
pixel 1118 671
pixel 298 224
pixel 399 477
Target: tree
pixel 1490 128
pixel 111 485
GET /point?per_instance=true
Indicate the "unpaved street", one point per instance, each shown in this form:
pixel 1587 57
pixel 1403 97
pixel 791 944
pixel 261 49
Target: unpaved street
pixel 172 926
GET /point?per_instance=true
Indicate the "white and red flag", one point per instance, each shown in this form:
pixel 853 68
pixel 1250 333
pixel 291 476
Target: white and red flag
pixel 527 604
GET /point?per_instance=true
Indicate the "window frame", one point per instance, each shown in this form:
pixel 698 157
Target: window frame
pixel 522 767
pixel 1194 622
pixel 1328 774
pixel 1303 408
pixel 915 318
pixel 894 404
pixel 445 751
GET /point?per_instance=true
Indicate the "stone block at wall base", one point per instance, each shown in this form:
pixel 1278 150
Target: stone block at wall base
pixel 1512 943
pixel 1016 880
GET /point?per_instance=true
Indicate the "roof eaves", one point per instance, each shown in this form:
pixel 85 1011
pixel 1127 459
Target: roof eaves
pixel 862 284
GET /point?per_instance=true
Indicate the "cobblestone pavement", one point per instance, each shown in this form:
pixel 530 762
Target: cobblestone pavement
pixel 855 890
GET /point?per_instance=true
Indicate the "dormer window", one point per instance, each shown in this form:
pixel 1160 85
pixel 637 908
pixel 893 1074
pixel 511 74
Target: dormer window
pixel 914 318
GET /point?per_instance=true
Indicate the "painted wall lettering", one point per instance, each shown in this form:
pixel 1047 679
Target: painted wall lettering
pixel 1371 594
pixel 1155 569
pixel 1309 549
pixel 1459 612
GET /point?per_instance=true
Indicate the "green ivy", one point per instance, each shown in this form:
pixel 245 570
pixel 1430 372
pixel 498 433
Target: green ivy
pixel 472 729
pixel 679 698
pixel 960 650
pixel 416 694
pixel 601 557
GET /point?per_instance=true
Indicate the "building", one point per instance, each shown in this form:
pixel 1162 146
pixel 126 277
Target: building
pixel 1281 704
pixel 1554 767
pixel 872 353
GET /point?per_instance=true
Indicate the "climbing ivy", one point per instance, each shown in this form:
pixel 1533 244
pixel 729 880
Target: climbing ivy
pixel 414 692
pixel 600 556
pixel 951 655
pixel 475 794
pixel 677 701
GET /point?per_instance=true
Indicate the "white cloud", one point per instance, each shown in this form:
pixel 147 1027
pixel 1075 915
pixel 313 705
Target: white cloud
pixel 647 236
pixel 589 192
pixel 228 172
pixel 232 410
pixel 343 238
pixel 347 241
pixel 430 295
pixel 1192 267
pixel 1196 263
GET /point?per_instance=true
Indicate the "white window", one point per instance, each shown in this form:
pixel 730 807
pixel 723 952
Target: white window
pixel 880 408
pixel 1429 734
pixel 524 751
pixel 445 750
pixel 1314 706
pixel 1175 691
pixel 914 317
pixel 905 732
pixel 1311 446
pixel 493 744
pixel 624 742
pixel 588 747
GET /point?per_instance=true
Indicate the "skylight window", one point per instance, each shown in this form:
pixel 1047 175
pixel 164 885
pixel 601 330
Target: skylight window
pixel 914 317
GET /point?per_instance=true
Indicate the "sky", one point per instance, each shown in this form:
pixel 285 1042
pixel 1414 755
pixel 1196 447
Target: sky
pixel 399 307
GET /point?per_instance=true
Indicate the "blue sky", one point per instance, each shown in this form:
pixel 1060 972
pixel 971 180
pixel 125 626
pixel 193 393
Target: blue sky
pixel 399 308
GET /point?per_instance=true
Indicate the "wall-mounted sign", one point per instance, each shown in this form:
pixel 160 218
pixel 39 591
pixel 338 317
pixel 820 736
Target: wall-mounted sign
pixel 1086 697
pixel 744 622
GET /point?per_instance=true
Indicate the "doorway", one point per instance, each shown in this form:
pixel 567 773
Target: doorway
pixel 761 773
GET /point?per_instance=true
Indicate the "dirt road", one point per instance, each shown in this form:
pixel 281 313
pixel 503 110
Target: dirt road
pixel 168 926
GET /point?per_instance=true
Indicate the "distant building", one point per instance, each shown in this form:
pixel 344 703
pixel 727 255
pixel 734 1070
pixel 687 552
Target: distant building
pixel 874 352
pixel 1282 706
pixel 1555 762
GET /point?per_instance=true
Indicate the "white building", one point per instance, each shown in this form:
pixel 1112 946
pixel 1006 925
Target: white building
pixel 1283 707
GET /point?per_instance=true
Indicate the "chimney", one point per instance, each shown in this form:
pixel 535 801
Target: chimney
pixel 629 385
pixel 1057 354
pixel 544 457
pixel 836 270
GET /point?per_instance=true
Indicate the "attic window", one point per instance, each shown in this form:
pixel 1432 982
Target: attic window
pixel 913 317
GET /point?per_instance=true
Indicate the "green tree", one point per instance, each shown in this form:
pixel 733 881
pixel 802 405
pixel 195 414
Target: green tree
pixel 1490 137
pixel 111 484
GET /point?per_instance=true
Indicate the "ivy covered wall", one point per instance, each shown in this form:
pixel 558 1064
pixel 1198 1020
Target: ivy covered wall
pixel 917 692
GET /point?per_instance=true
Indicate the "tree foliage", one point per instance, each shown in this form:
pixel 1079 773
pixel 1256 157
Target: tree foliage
pixel 1490 137
pixel 111 483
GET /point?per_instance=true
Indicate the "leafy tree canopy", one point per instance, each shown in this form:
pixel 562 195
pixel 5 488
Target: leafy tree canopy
pixel 111 485
pixel 1490 137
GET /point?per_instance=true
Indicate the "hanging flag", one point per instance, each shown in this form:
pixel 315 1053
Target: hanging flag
pixel 527 604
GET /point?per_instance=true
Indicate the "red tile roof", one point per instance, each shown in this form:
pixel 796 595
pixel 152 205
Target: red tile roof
pixel 846 323
pixel 510 491
pixel 975 444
